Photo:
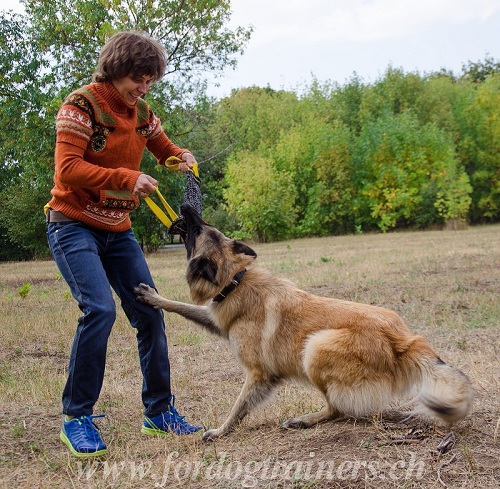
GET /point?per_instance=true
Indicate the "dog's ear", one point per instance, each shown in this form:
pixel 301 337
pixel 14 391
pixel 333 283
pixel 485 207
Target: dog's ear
pixel 239 247
pixel 204 268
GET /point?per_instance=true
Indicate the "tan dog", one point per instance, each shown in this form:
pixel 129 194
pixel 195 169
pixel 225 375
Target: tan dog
pixel 359 356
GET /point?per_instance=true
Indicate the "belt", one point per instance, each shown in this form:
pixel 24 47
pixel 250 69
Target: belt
pixel 56 216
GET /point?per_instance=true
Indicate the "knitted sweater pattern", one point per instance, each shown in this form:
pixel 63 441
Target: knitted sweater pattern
pixel 99 146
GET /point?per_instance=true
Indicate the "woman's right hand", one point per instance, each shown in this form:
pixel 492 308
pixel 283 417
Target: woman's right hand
pixel 144 185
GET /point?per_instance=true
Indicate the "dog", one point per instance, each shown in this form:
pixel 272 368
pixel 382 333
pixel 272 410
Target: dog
pixel 359 356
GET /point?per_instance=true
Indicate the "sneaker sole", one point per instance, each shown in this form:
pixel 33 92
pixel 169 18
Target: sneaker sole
pixel 152 431
pixel 66 441
pixel 156 432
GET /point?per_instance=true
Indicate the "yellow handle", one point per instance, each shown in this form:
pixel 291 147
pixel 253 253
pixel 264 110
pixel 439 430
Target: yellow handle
pixel 172 164
pixel 159 212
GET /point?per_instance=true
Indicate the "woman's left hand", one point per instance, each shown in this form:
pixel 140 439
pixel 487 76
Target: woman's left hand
pixel 188 160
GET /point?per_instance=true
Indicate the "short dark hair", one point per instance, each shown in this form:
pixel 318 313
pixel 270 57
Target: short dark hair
pixel 130 53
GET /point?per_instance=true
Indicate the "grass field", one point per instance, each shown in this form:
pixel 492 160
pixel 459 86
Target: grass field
pixel 445 285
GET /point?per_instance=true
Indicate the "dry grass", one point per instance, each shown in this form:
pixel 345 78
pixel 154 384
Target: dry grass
pixel 444 284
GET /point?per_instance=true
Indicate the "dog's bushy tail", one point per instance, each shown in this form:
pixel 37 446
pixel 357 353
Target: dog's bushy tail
pixel 445 392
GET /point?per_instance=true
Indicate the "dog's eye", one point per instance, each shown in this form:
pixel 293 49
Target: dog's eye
pixel 204 268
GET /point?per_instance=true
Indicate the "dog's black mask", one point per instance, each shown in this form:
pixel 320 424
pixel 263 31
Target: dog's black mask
pixel 193 226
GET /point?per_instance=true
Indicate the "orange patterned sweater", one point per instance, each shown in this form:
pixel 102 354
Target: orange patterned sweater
pixel 99 146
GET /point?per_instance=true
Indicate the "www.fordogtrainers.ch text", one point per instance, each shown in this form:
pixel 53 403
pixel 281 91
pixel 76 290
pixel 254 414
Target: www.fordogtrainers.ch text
pixel 251 473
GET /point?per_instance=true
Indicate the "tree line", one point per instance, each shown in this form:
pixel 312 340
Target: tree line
pixel 409 150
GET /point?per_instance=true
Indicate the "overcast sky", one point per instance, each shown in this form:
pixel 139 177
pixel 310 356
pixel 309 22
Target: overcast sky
pixel 295 41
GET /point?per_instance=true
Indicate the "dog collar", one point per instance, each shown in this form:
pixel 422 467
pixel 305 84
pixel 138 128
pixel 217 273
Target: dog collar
pixel 227 290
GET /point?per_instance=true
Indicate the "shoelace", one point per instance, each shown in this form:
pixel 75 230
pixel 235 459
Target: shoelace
pixel 89 428
pixel 176 417
pixel 171 420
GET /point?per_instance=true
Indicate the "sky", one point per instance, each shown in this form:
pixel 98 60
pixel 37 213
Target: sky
pixel 297 41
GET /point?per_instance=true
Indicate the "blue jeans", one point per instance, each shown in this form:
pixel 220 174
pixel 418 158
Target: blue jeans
pixel 92 262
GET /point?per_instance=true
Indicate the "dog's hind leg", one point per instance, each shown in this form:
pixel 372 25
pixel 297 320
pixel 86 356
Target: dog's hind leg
pixel 311 419
pixel 254 391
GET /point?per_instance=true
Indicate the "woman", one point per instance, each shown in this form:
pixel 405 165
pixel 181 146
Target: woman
pixel 102 131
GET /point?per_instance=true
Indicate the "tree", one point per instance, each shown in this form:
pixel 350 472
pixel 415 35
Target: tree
pixel 335 189
pixel 26 141
pixel 346 104
pixel 316 154
pixel 194 33
pixel 478 71
pixel 395 93
pixel 261 197
pixel 250 119
pixel 479 118
pixel 254 117
pixel 406 171
pixel 437 101
pixel 53 49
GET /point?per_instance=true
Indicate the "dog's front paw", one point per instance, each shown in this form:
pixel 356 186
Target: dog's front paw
pixel 210 435
pixel 146 294
pixel 294 424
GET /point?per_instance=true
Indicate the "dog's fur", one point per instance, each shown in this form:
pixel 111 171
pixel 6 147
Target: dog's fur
pixel 359 356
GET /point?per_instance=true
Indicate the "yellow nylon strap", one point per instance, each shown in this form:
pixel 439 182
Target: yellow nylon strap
pixel 158 212
pixel 171 164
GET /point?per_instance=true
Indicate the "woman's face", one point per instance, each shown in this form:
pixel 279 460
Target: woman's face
pixel 131 88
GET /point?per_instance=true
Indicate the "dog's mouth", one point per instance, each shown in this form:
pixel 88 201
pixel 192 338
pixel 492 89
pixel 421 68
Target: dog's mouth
pixel 178 227
pixel 192 225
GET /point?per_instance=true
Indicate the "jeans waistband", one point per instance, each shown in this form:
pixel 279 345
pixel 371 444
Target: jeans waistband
pixel 56 216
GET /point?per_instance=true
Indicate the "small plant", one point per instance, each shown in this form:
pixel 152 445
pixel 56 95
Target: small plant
pixel 24 290
pixel 18 429
pixel 330 259
pixel 462 344
pixel 365 443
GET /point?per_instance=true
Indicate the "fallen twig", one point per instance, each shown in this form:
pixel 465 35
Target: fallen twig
pixel 444 464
